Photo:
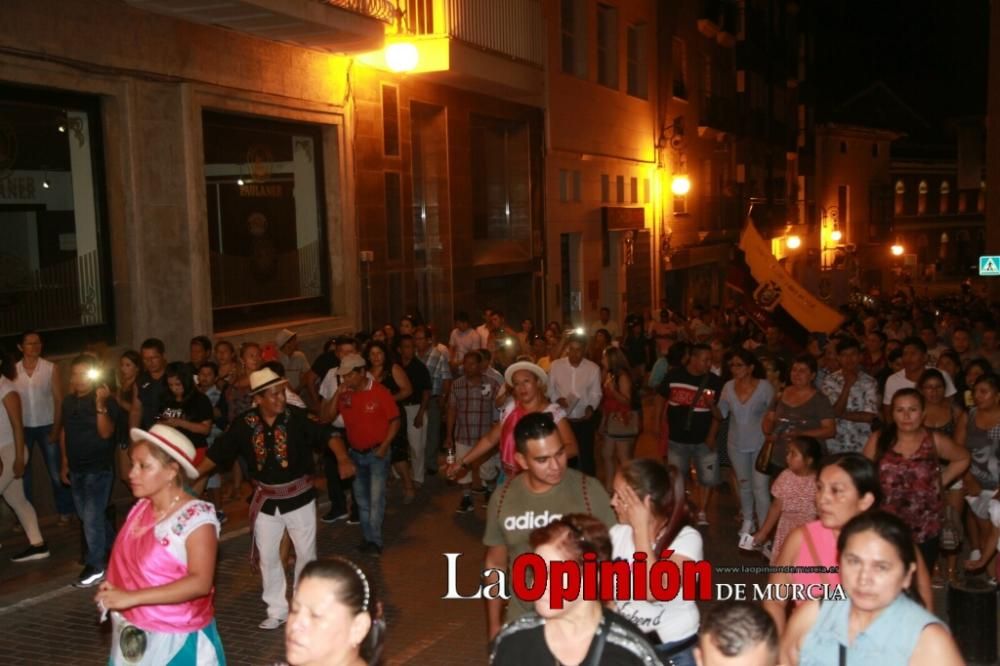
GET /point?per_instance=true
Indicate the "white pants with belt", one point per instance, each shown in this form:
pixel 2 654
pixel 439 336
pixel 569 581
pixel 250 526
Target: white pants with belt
pixel 301 526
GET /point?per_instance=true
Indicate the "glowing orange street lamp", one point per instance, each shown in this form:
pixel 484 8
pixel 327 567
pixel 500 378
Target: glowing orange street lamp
pixel 897 250
pixel 793 242
pixel 680 185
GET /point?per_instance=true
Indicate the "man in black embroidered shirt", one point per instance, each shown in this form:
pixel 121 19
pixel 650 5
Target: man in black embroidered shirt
pixel 277 441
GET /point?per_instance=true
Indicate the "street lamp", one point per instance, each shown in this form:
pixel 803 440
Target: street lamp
pixel 680 185
pixel 793 242
pixel 835 235
pixel 897 250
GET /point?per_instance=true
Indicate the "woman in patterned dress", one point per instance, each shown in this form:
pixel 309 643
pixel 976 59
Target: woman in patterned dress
pixel 160 582
pixel 907 456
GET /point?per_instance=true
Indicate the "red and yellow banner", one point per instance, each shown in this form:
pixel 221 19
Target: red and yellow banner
pixel 777 287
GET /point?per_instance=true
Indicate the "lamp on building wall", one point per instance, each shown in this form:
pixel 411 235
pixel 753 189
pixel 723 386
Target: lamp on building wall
pixel 835 235
pixel 793 242
pixel 680 184
pixel 402 57
pixel 897 249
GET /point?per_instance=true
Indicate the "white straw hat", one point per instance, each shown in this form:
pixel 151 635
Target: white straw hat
pixel 172 442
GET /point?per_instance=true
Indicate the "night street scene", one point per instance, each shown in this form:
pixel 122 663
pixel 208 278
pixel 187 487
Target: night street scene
pixel 507 332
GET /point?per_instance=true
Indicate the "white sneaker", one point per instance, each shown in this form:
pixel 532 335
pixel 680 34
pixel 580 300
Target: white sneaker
pixel 746 542
pixel 746 528
pixel 975 555
pixel 272 623
pixel 765 550
pixel 702 518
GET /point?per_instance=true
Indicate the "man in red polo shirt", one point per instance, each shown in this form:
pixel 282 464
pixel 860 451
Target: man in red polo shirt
pixel 371 419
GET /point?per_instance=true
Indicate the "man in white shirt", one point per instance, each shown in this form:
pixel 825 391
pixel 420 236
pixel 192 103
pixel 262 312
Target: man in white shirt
pixel 462 340
pixel 914 364
pixel 607 324
pixel 484 329
pixel 575 383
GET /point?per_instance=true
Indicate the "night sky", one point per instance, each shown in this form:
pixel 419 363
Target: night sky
pixel 933 54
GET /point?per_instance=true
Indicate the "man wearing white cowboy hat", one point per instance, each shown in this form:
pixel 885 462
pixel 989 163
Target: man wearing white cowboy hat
pixel 277 441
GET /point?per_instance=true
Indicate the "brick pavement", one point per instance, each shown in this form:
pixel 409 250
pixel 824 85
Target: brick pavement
pixel 47 622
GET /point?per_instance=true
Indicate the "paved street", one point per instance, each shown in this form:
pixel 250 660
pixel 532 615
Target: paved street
pixel 39 608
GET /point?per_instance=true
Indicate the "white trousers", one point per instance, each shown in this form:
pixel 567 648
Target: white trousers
pixel 417 437
pixel 301 526
pixel 13 491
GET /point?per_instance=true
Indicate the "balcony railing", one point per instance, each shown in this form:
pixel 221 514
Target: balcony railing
pixel 511 28
pixel 383 10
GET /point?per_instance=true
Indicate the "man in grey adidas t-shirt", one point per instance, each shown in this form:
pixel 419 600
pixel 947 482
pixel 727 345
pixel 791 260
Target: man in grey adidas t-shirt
pixel 545 491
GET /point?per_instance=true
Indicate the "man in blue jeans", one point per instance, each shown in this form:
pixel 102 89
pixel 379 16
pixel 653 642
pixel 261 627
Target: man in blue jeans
pixel 371 419
pixel 87 445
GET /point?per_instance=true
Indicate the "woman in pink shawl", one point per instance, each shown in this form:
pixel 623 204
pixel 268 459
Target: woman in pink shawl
pixel 159 586
pixel 527 384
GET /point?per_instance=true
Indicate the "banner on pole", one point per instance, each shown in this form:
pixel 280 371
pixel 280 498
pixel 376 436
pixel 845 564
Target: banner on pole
pixel 777 288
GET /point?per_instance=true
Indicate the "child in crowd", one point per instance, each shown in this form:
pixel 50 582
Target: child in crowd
pixel 208 376
pixel 794 494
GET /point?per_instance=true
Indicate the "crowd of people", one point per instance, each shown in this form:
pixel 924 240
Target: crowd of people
pixel 874 446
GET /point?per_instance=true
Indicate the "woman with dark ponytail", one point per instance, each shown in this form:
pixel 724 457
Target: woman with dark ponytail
pixel 907 456
pixel 654 516
pixel 335 618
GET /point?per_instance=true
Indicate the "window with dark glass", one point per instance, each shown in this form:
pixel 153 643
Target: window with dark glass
pixel 573 27
pixel 394 215
pixel 607 46
pixel 638 70
pixel 54 257
pixel 679 57
pixel 501 192
pixel 266 235
pixel 390 120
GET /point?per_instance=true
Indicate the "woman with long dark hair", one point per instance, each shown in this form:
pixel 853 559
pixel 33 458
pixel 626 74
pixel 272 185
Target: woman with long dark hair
pixel 979 431
pixel 745 399
pixel 620 412
pixel 129 367
pixel 653 515
pixel 882 620
pixel 907 456
pixel 335 617
pixel 388 373
pixel 13 458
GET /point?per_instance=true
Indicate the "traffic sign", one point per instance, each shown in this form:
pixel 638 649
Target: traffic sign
pixel 989 265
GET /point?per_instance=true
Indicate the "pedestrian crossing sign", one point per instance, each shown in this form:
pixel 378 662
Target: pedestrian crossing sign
pixel 989 265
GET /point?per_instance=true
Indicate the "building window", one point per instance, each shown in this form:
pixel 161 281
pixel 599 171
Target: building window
pixel 266 229
pixel 54 259
pixel 501 193
pixel 981 199
pixel 874 150
pixel 607 46
pixel 577 186
pixel 563 185
pixel 706 79
pixel 898 206
pixel 922 197
pixel 638 70
pixel 634 189
pixel 574 38
pixel 390 120
pixel 393 216
pixel 844 206
pixel 943 202
pixel 620 189
pixel 679 57
pixel 680 204
pixel 843 147
pixel 605 188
